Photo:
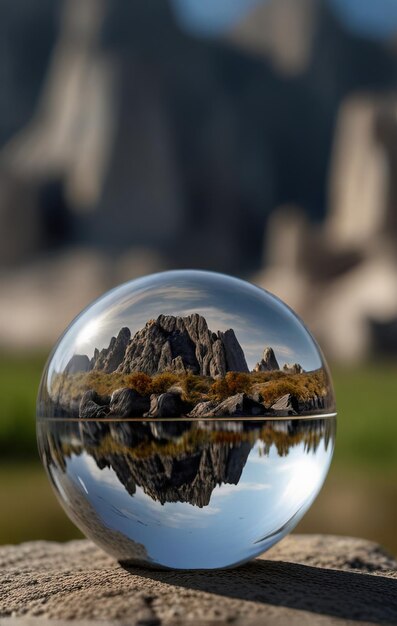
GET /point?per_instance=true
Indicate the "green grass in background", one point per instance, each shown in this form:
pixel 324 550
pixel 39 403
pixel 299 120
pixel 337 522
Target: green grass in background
pixel 359 497
pixel 19 381
pixel 366 401
pixel 367 417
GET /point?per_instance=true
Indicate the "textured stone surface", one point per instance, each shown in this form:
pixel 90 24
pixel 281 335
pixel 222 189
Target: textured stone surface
pixel 93 406
pixel 268 363
pixel 108 359
pixel 237 405
pixel 177 344
pixel 126 402
pixel 167 405
pixel 286 405
pixel 303 580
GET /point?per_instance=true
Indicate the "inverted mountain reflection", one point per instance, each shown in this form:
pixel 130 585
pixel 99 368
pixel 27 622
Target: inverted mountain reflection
pixel 178 460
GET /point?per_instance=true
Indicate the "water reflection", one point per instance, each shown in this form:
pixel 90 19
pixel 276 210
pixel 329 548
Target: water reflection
pixel 204 493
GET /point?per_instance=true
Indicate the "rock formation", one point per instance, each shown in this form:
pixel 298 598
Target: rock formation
pixel 93 406
pixel 166 405
pixel 234 355
pixel 109 359
pixel 128 403
pixel 183 345
pixel 175 344
pixel 286 405
pixel 293 368
pixel 78 363
pixel 268 363
pixel 190 475
pixel 238 405
pixel 188 470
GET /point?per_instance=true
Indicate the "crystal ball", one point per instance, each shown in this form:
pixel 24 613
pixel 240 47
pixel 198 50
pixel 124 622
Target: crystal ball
pixel 186 420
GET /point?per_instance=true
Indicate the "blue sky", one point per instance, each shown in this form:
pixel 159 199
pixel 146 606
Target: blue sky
pixel 258 319
pixel 271 491
pixel 211 16
pixel 370 18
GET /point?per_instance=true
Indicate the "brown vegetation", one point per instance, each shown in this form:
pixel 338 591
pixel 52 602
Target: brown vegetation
pixel 267 386
pixel 232 383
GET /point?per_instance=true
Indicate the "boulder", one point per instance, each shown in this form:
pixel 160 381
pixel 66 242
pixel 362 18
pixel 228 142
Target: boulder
pixel 166 405
pixel 129 434
pixel 125 402
pixel 169 430
pixel 239 405
pixel 286 405
pixel 268 362
pixel 93 406
pixel 203 408
pixel 92 432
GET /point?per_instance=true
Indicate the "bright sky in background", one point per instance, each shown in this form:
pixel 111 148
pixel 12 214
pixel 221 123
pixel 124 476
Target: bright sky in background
pixel 369 18
pixel 211 17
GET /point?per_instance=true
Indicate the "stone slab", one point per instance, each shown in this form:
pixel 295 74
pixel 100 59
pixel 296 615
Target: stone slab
pixel 305 579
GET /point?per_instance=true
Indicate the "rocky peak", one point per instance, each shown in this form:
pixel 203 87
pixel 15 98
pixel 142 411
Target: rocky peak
pixel 182 344
pixel 109 359
pixel 234 355
pixel 293 368
pixel 78 363
pixel 268 362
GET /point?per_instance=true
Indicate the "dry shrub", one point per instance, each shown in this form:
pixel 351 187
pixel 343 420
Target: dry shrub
pixel 195 387
pixel 140 382
pixel 162 382
pixel 232 383
pixel 271 385
pixel 264 377
pixel 302 386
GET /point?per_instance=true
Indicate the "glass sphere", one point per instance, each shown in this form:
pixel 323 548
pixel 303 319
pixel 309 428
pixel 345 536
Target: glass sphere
pixel 186 420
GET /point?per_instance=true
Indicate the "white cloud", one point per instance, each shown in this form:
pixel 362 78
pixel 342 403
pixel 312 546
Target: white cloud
pixel 226 490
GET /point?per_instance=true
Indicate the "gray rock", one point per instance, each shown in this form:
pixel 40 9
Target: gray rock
pixel 314 403
pixel 268 363
pixel 316 580
pixel 78 363
pixel 234 355
pixel 182 344
pixel 239 405
pixel 93 406
pixel 218 366
pixel 92 432
pixel 203 408
pixel 128 434
pixel 286 405
pixel 293 368
pixel 108 359
pixel 126 402
pixel 166 405
pixel 169 430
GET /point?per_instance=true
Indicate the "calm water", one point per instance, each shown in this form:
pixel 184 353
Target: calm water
pixel 186 494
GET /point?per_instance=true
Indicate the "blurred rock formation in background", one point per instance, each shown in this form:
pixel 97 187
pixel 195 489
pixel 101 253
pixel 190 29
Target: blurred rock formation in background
pixel 258 139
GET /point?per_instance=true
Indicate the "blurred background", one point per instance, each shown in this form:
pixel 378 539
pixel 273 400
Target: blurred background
pixel 253 137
